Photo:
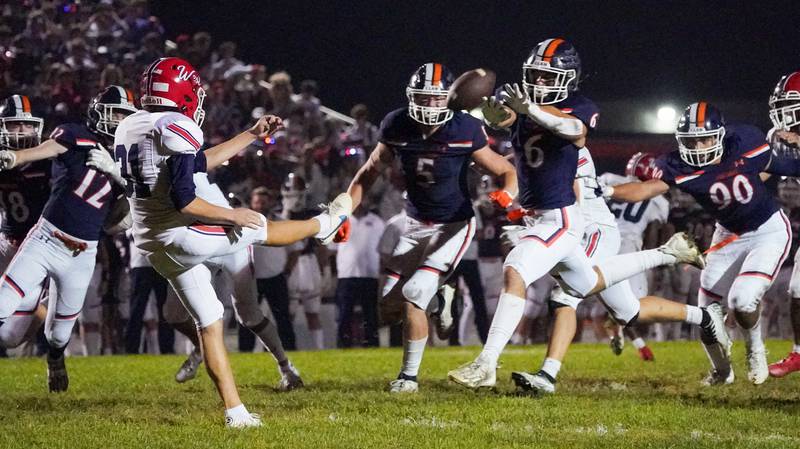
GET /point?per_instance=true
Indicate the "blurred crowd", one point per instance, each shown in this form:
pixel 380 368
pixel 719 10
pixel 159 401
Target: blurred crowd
pixel 61 53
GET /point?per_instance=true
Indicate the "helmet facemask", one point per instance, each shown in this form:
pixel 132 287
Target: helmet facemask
pixel 109 117
pixel 14 139
pixel 700 157
pixel 428 115
pixel 559 82
pixel 200 113
pixel 784 111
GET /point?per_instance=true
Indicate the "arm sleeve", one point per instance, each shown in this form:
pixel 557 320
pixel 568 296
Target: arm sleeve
pixel 200 162
pixel 181 169
pixel 783 166
pixel 176 134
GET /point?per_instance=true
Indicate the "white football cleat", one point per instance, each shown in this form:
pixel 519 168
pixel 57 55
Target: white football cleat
pixel 290 379
pixel 188 370
pixel 716 377
pixel 474 375
pixel 333 217
pixel 403 386
pixel 249 420
pixel 537 383
pixel 443 318
pixel 757 369
pixel 717 327
pixel 683 248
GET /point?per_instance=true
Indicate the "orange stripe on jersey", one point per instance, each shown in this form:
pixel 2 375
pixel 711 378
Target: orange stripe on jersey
pixel 701 113
pixel 548 53
pixel 437 74
pixel 26 104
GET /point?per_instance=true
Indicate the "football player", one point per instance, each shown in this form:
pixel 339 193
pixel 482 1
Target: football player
pixel 435 147
pixel 238 268
pixel 720 164
pixel 158 149
pixel 63 243
pixel 637 222
pixel 549 121
pixel 784 138
pixel 23 194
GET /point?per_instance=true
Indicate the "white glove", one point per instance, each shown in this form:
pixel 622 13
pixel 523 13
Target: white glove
pixel 100 159
pixel 7 160
pixel 607 190
pixel 515 98
pixel 493 111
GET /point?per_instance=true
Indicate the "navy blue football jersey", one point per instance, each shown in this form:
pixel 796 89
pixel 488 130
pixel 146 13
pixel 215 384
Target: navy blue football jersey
pixel 23 194
pixel 435 168
pixel 81 195
pixel 732 190
pixel 546 163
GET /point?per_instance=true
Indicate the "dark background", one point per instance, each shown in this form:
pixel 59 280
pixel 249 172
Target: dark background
pixel 636 54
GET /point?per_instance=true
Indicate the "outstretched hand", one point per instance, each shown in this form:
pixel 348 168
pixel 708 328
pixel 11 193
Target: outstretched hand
pixel 266 126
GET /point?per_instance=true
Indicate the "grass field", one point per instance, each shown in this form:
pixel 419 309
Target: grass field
pixel 602 401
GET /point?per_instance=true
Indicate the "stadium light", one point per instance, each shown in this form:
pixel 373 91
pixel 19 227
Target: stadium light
pixel 666 115
pixel 661 120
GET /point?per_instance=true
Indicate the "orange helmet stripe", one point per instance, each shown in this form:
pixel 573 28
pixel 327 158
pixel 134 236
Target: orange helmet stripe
pixel 701 114
pixel 437 74
pixel 548 52
pixel 129 94
pixel 26 103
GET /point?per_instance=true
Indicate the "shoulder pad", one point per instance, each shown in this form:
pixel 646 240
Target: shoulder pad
pixel 178 134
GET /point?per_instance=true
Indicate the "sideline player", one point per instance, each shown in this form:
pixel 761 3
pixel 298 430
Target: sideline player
pixel 158 149
pixel 63 244
pixel 720 164
pixel 549 122
pixel 434 146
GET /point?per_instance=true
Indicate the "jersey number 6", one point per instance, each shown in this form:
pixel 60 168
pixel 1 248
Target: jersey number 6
pixel 534 156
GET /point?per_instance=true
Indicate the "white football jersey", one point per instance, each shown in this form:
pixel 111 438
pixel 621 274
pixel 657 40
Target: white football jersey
pixel 204 189
pixel 143 143
pixel 633 218
pixel 593 205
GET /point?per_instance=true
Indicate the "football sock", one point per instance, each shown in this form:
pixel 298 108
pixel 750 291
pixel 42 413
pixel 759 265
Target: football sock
pixel 639 343
pixel 623 266
pixel 318 338
pixel 412 356
pixel 510 309
pixel 551 367
pixel 796 348
pixel 238 412
pixel 696 315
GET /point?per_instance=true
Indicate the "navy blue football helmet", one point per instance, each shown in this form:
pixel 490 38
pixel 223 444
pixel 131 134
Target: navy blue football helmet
pixel 551 72
pixel 700 121
pixel 431 80
pixel 19 128
pixel 108 108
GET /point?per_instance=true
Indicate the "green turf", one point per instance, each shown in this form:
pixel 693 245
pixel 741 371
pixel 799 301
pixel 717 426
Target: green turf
pixel 602 401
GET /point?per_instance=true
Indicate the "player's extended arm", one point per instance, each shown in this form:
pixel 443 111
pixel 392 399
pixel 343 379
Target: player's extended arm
pixel 498 166
pixel 633 192
pixel 378 160
pixel 210 213
pixel 782 166
pixel 265 126
pixel 564 125
pixel 46 150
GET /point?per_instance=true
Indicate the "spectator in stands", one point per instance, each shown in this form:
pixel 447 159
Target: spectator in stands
pixel 226 61
pixel 362 133
pixel 281 92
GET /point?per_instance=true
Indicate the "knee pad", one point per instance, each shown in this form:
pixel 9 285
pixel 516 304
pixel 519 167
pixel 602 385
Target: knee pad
pixel 420 288
pixel 746 293
pixel 59 333
pixel 621 303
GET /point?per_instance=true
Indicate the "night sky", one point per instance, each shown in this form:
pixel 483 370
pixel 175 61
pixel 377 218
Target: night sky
pixel 642 52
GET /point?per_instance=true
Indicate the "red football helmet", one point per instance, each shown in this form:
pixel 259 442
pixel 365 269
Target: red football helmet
pixel 641 166
pixel 173 82
pixel 784 104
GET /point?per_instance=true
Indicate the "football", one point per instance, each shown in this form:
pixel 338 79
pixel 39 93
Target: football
pixel 469 89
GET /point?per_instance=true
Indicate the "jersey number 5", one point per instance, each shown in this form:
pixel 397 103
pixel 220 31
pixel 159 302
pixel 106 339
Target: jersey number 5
pixel 741 189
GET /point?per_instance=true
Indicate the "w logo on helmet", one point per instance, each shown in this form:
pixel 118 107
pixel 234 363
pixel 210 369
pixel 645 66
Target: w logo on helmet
pixel 183 74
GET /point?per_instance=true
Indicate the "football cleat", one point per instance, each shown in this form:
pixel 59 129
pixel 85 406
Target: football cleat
pixel 249 420
pixel 717 377
pixel 403 386
pixel 443 318
pixel 617 342
pixel 757 370
pixel 646 354
pixel 537 383
pixel 474 375
pixel 290 379
pixel 57 378
pixel 786 366
pixel 333 217
pixel 717 327
pixel 188 370
pixel 683 247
